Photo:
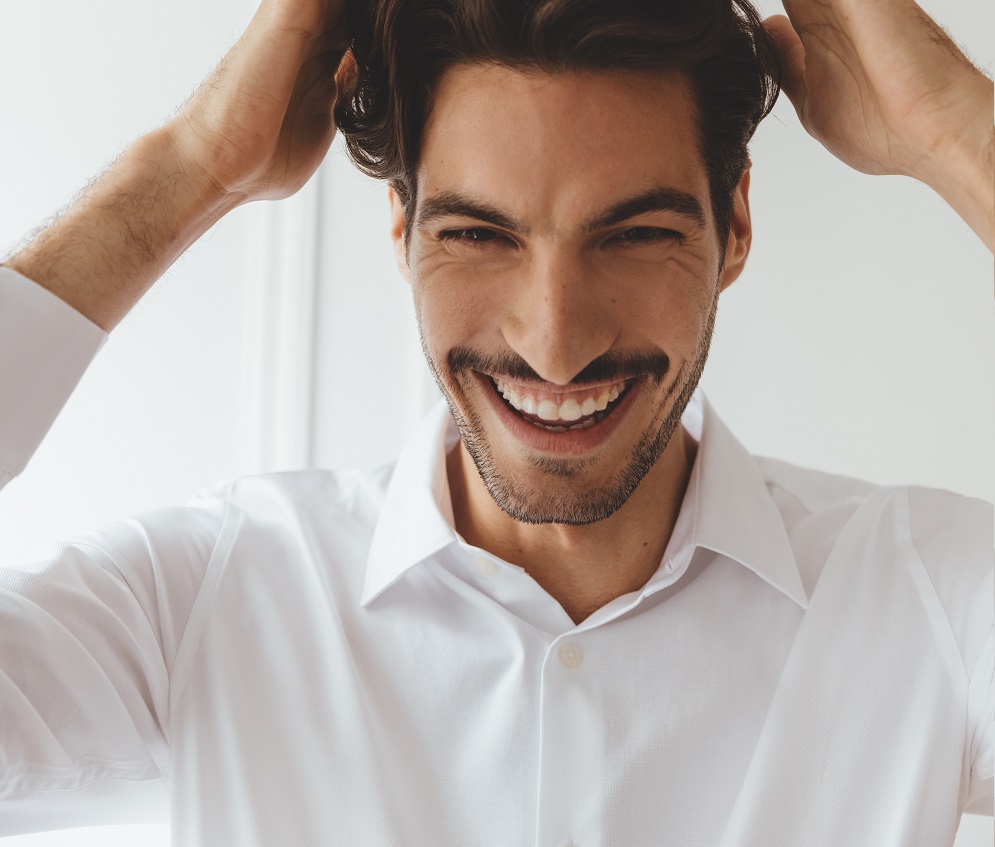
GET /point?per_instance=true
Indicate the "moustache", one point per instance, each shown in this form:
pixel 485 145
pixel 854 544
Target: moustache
pixel 612 366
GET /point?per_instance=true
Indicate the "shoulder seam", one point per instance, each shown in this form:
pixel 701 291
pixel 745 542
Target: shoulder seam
pixel 909 542
pixel 176 685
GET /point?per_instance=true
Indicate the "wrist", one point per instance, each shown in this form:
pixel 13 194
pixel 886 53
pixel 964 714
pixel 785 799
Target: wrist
pixel 962 170
pixel 215 171
pixel 199 201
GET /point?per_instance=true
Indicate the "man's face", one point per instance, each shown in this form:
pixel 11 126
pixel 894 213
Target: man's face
pixel 565 269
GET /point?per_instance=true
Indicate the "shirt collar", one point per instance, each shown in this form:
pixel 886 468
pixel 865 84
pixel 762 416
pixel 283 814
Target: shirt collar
pixel 732 511
pixel 727 506
pixel 416 520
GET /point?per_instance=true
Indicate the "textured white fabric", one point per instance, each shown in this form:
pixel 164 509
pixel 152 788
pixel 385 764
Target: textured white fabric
pixel 317 658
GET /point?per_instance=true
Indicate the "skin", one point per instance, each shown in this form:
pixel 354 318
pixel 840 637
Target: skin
pixel 549 290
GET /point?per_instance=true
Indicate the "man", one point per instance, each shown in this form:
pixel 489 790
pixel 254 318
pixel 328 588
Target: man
pixel 587 615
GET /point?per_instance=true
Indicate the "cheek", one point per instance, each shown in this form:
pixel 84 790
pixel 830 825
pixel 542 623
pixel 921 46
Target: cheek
pixel 442 324
pixel 453 304
pixel 666 307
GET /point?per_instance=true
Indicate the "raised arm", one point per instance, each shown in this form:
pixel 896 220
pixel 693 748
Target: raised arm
pixel 887 91
pixel 257 128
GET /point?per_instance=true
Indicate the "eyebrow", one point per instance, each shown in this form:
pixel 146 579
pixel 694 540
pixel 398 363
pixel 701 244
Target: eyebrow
pixel 459 205
pixel 654 200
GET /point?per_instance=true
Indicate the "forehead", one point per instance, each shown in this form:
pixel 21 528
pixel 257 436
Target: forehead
pixel 555 143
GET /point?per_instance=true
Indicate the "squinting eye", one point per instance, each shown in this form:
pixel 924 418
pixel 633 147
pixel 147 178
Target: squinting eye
pixel 474 234
pixel 648 235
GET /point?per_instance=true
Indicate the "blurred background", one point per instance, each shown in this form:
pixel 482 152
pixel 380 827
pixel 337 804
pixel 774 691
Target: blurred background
pixel 859 340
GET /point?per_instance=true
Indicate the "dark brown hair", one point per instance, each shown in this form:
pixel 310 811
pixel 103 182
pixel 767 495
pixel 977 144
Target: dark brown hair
pixel 401 47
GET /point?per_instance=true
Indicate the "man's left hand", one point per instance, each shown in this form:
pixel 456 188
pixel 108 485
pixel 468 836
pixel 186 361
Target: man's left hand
pixel 887 91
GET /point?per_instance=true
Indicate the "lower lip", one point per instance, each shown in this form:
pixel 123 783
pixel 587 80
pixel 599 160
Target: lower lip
pixel 571 442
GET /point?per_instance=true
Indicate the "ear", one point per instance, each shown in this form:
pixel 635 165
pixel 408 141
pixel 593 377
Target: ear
pixel 397 222
pixel 740 233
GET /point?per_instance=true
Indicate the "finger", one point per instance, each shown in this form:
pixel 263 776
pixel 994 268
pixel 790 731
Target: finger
pixel 792 51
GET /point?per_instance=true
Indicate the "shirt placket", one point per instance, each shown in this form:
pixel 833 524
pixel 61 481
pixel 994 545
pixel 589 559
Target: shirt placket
pixel 571 744
pixel 573 760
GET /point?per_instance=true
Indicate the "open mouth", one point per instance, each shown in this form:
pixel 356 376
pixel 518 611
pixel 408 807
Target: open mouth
pixel 575 410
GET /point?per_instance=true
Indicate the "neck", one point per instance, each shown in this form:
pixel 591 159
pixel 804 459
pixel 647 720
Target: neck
pixel 582 567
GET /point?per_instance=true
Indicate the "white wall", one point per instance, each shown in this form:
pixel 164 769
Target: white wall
pixel 860 339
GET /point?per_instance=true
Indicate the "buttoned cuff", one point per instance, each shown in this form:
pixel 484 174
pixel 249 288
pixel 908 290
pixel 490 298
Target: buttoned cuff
pixel 45 347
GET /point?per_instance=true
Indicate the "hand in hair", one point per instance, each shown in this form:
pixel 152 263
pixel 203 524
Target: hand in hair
pixel 262 121
pixel 887 91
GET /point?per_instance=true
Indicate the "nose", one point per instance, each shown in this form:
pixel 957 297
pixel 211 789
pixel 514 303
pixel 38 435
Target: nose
pixel 560 318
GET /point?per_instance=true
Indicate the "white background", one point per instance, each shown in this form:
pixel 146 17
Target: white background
pixel 859 340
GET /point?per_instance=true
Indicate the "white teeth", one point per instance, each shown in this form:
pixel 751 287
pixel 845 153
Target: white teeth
pixel 548 411
pixel 570 409
pixel 509 394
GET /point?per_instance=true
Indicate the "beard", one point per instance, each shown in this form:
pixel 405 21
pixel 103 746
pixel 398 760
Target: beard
pixel 530 504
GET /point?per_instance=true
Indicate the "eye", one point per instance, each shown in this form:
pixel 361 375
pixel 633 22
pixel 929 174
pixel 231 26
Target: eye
pixel 647 235
pixel 471 235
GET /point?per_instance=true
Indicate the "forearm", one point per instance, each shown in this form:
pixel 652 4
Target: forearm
pixel 107 249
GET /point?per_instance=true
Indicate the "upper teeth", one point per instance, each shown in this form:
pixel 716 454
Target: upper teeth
pixel 570 409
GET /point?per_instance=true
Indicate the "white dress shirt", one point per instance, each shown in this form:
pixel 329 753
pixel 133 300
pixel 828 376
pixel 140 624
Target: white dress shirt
pixel 318 658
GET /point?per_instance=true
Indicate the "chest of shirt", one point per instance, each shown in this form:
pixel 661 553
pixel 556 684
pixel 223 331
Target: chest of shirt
pixel 434 716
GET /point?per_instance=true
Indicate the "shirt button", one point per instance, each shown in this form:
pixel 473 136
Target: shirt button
pixel 570 654
pixel 484 566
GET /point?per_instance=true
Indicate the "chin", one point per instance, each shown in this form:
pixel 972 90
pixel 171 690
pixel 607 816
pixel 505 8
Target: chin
pixel 534 486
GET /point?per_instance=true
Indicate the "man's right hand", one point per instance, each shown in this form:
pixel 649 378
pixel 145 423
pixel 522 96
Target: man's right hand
pixel 261 123
pixel 257 128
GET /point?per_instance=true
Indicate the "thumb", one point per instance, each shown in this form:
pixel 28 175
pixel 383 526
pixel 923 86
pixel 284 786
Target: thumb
pixel 792 51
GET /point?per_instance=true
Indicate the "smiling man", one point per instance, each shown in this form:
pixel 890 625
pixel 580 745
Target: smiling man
pixel 576 610
pixel 566 301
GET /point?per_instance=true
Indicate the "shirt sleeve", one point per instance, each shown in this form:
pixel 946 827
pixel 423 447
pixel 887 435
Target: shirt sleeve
pixel 89 632
pixel 981 791
pixel 45 347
